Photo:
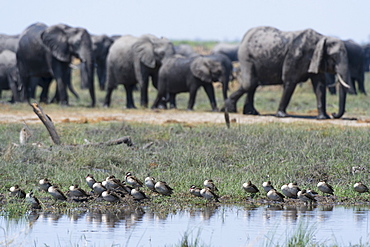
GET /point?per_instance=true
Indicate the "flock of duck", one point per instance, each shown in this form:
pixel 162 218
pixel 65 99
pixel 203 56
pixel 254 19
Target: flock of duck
pixel 114 190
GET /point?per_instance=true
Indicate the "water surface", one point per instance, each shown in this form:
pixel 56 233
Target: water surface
pixel 210 226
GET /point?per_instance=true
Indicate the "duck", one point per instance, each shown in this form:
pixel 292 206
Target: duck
pixel 162 188
pixel 55 192
pixel 75 191
pixel 44 184
pixel 305 197
pixel 110 196
pixel 133 181
pixel 90 180
pixel 360 187
pixel 195 191
pixel 294 189
pixel 250 188
pixel 31 199
pixel 15 191
pixel 98 188
pixel 149 183
pixel 286 191
pixel 209 194
pixel 267 186
pixel 312 192
pixel 208 183
pixel 137 194
pixel 324 187
pixel 275 195
pixel 112 183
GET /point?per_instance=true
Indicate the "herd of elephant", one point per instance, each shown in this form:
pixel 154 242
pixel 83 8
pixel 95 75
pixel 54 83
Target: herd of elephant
pixel 266 56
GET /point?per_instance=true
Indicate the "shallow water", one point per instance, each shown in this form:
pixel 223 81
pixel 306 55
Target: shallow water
pixel 210 226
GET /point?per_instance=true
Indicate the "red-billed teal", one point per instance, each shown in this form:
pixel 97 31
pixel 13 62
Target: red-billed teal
pixel 267 186
pixel 305 197
pixel 360 187
pixel 324 187
pixel 209 194
pixel 56 193
pixel 250 188
pixel 195 191
pixel 210 184
pixel 15 191
pixel 90 180
pixel 44 184
pixel 133 181
pixel 150 182
pixel 275 195
pixel 162 188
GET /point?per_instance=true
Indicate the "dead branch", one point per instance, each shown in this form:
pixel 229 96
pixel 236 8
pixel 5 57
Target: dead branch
pixel 126 140
pixel 45 119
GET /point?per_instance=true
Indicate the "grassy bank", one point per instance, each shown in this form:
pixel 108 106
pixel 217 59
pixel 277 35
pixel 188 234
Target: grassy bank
pixel 183 156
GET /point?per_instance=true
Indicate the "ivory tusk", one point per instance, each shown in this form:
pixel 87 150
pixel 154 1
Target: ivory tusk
pixel 342 81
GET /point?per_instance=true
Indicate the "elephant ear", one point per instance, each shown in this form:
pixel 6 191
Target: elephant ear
pixel 56 41
pixel 317 56
pixel 199 68
pixel 144 48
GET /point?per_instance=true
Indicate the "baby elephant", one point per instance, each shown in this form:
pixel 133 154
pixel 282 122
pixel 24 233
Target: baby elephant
pixel 182 74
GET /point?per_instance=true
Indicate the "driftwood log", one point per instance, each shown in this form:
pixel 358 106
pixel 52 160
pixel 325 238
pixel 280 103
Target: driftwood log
pixel 46 120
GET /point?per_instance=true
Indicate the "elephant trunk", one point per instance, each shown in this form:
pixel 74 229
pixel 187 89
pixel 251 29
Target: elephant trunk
pixel 346 86
pixel 342 102
pixel 87 69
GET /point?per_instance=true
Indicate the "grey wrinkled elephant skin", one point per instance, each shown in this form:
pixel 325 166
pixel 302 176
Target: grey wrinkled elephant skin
pixel 356 63
pixel 133 60
pixel 183 74
pixel 269 56
pixel 9 76
pixel 46 52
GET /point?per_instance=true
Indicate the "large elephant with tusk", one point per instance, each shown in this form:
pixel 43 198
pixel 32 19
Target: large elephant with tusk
pixel 269 56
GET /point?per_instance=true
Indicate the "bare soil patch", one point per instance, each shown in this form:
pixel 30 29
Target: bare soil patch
pixel 93 115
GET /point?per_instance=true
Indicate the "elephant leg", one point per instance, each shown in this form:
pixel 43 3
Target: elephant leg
pixel 289 88
pixel 62 74
pixel 144 91
pixel 101 72
pixel 45 84
pixel 108 97
pixel 248 108
pixel 230 103
pixel 158 102
pixel 361 85
pixel 211 95
pixel 193 93
pixel 25 90
pixel 247 81
pixel 172 97
pixel 318 83
pixel 129 96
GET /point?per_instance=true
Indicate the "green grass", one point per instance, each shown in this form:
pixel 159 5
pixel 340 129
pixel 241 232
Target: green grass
pixel 184 156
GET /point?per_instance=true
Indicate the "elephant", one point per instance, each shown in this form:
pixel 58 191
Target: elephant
pixel 230 50
pixel 185 50
pixel 101 45
pixel 227 68
pixel 186 74
pixel 48 51
pixel 366 49
pixel 9 42
pixel 133 60
pixel 9 76
pixel 268 56
pixel 356 60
